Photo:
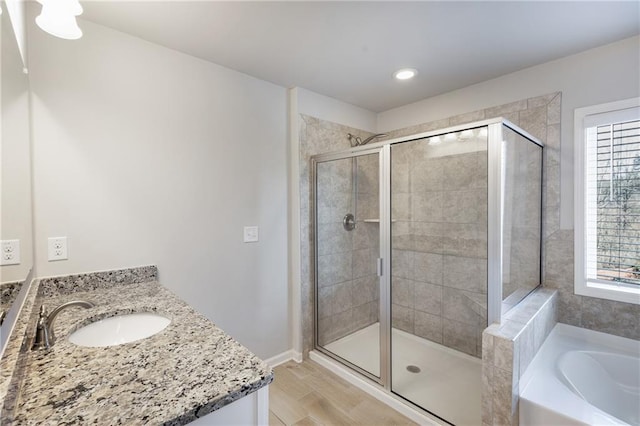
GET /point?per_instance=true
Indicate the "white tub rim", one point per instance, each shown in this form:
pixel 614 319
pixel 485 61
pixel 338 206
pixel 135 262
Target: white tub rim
pixel 542 387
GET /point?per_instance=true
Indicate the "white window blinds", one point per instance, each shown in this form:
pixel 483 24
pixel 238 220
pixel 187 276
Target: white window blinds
pixel 612 202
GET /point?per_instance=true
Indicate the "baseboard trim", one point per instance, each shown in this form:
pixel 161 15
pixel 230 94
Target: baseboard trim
pixel 374 390
pixel 290 355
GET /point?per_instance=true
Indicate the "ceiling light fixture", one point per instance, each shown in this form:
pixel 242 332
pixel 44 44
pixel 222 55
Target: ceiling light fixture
pixel 405 73
pixel 58 18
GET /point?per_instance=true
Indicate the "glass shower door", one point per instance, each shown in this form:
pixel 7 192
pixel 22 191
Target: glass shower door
pixel 347 250
pixel 439 272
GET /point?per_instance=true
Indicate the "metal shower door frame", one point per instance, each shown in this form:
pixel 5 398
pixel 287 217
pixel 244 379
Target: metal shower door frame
pixel 383 263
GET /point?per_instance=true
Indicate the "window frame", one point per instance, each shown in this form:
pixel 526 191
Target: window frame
pixel 584 286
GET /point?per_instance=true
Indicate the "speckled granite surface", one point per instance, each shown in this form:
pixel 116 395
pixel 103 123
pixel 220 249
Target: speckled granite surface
pixel 186 371
pixel 11 353
pixel 8 293
pixel 58 286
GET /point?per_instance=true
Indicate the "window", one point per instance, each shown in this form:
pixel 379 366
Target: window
pixel 607 201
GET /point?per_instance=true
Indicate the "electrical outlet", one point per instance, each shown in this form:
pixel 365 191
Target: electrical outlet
pixel 10 254
pixel 57 248
pixel 250 234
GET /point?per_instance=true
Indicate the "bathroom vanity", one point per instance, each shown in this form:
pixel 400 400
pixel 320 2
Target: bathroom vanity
pixel 191 371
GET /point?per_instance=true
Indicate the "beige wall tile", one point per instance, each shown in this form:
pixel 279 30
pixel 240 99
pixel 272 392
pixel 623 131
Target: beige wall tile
pixel 467 118
pixel 365 315
pixel 462 206
pixel 527 349
pixel 426 175
pixel 554 110
pixel 460 172
pixel 366 235
pixel 501 110
pixel 534 121
pixel 402 263
pixel 334 269
pixel 402 318
pixel 335 326
pixel 465 273
pixel 335 299
pixel 428 267
pixel 364 263
pixel 502 397
pixel 540 101
pixel 460 336
pixel 463 307
pixel 427 206
pixel 608 316
pixel 402 292
pixel 365 290
pixel 332 238
pixel 428 326
pixel 428 298
pixel 401 206
pixel 503 352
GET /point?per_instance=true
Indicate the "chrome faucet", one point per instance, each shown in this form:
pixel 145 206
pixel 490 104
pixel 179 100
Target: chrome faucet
pixel 45 338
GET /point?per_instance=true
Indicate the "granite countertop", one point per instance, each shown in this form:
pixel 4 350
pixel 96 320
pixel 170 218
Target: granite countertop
pixel 186 371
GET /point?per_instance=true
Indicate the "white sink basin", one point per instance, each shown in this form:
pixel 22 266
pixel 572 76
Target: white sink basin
pixel 120 329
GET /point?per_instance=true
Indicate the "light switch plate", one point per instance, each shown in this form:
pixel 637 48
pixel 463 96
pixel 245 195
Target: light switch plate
pixel 250 234
pixel 10 252
pixel 57 248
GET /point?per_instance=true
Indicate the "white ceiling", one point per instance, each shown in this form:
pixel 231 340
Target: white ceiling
pixel 349 50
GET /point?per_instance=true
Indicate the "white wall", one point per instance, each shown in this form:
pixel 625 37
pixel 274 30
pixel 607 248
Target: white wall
pixel 17 10
pixel 604 74
pixel 143 155
pixel 330 109
pixel 15 156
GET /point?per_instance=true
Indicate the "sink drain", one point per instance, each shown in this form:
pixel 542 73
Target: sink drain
pixel 413 369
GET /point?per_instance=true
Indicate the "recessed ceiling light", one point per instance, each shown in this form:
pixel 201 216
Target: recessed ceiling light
pixel 405 73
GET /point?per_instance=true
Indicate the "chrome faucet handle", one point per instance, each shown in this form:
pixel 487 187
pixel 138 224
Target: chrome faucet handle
pixel 45 337
pixel 41 339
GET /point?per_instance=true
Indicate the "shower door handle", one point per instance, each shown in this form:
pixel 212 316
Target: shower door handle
pixel 379 266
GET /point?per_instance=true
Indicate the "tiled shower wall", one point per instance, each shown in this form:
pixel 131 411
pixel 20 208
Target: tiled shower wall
pixel 439 242
pixel 347 279
pixel 317 137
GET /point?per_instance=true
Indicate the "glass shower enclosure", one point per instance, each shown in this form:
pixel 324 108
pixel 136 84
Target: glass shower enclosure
pixel 420 243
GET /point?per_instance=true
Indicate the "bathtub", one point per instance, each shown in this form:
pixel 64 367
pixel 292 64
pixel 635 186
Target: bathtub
pixel 582 377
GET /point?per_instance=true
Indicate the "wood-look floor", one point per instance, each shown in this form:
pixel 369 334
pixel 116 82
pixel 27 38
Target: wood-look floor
pixel 308 394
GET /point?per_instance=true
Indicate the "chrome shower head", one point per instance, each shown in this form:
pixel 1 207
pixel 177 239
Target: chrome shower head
pixel 354 140
pixel 373 137
pixel 357 141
